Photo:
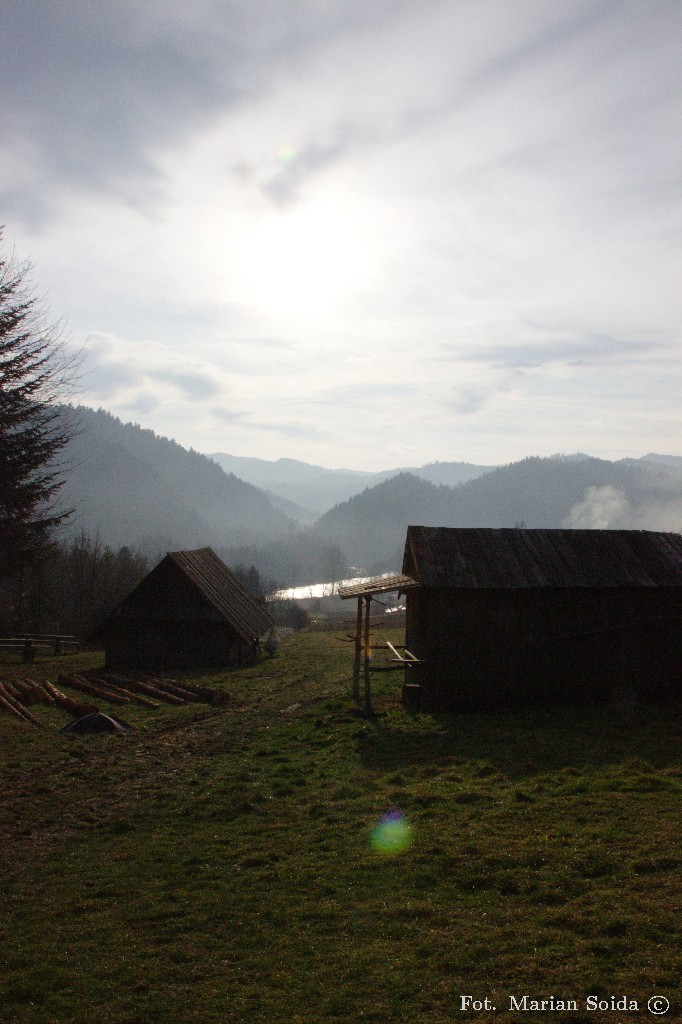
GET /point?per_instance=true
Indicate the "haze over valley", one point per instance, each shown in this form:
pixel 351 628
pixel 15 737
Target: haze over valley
pixel 130 487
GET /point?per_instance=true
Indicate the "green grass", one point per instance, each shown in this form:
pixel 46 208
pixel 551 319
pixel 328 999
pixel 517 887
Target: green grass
pixel 215 865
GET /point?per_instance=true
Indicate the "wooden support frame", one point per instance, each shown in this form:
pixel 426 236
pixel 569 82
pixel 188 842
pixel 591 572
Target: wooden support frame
pixel 363 654
pixel 358 652
pixel 368 655
pixel 363 651
pixel 361 638
pixel 406 661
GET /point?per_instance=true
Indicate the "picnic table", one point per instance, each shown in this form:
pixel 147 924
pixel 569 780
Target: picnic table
pixel 30 643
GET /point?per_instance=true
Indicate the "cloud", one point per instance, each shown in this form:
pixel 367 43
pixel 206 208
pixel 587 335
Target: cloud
pixel 602 508
pixel 404 450
pixel 122 370
pixel 299 165
pixel 193 385
pixel 608 508
pixel 296 430
pixel 106 380
pixel 457 223
pixel 227 415
pixel 93 89
pixel 588 349
pixel 141 405
pixel 468 401
pixel 96 91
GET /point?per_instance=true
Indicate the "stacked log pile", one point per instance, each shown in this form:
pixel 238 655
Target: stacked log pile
pixel 143 689
pixel 149 691
pixel 16 697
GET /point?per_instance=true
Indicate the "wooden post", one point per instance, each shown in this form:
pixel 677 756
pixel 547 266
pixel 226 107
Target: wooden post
pixel 20 604
pixel 358 652
pixel 368 705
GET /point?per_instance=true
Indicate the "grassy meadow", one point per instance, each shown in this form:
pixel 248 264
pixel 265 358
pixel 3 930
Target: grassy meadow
pixel 216 865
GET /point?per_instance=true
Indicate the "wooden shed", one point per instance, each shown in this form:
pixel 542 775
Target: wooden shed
pixel 188 612
pixel 513 617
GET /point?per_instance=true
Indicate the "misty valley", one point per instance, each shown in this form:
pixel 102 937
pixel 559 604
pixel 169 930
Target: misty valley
pixel 287 524
pixel 300 524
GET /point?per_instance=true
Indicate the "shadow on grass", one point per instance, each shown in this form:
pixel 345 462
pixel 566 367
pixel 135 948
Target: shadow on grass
pixel 518 745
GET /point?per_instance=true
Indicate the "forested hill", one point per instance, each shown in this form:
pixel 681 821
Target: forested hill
pixel 370 527
pixel 135 488
pixel 536 492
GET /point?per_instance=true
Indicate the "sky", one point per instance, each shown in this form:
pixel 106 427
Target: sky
pixel 359 233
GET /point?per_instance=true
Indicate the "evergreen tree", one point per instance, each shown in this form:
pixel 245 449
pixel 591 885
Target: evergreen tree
pixel 36 374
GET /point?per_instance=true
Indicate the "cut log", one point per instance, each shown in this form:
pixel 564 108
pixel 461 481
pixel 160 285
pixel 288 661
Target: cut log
pixel 174 688
pixel 16 707
pixel 30 693
pixel 10 708
pixel 136 698
pixel 193 691
pixel 74 707
pixel 44 695
pixel 77 682
pixel 136 685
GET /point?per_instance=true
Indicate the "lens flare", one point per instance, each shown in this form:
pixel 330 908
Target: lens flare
pixel 392 834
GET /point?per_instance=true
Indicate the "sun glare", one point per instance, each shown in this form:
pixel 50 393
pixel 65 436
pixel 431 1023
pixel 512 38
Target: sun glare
pixel 305 261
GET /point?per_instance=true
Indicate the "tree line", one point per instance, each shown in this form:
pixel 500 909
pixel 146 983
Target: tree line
pixel 69 588
pixel 73 586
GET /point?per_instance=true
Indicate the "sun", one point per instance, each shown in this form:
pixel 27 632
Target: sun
pixel 308 260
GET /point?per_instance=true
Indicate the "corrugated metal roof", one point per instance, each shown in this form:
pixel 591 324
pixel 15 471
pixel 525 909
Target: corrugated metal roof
pixel 224 591
pixel 443 557
pixel 378 585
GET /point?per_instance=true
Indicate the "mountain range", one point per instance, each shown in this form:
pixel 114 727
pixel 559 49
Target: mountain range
pixel 306 491
pixel 547 493
pixel 130 486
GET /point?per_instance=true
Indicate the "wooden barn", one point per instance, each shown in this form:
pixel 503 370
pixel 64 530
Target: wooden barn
pixel 513 617
pixel 188 612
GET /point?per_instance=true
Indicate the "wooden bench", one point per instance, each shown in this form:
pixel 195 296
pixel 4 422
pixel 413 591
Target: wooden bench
pixel 30 643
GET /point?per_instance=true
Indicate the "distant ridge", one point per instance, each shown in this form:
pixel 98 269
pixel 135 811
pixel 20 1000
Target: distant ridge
pixel 315 489
pixel 547 493
pixel 263 471
pixel 130 486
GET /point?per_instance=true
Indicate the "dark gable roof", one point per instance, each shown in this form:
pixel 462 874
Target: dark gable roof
pixel 209 576
pixel 442 557
pixel 223 591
